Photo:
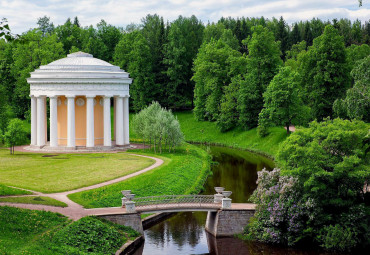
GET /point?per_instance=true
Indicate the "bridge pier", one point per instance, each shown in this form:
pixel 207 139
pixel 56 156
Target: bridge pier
pixel 228 222
pixel 132 220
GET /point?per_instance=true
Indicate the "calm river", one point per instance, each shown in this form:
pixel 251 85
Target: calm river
pixel 184 233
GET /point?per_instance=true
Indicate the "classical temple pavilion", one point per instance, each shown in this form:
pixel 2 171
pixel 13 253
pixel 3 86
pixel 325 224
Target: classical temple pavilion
pixel 80 89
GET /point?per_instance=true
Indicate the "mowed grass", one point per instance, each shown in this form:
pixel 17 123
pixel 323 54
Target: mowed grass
pixel 9 191
pixel 47 173
pixel 38 200
pixel 207 132
pixel 183 172
pixel 39 232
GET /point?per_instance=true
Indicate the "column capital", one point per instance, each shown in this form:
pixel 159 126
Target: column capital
pixel 70 96
pixel 90 96
pixel 54 96
pixel 127 96
pixel 107 96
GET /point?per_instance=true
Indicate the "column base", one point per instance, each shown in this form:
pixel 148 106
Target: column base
pixel 32 146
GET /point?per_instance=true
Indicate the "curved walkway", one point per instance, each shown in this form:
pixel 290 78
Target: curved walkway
pixel 76 211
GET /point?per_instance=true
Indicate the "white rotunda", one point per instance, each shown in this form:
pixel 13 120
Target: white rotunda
pixel 80 89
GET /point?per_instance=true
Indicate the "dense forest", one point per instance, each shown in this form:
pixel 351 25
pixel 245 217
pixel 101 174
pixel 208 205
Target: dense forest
pixel 237 72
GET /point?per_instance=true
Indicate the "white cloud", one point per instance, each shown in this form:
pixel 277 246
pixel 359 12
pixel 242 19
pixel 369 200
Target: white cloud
pixel 23 14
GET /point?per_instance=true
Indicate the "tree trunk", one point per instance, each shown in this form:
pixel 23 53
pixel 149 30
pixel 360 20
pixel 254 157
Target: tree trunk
pixel 287 128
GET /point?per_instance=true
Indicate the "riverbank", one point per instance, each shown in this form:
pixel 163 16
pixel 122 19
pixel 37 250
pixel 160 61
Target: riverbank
pixel 205 132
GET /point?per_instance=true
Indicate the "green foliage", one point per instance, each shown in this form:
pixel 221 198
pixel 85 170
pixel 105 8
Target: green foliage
pixel 338 238
pixel 216 63
pixel 158 126
pixel 8 191
pixel 183 172
pixel 283 105
pixel 325 73
pixel 331 161
pixel 92 235
pixel 356 104
pixel 40 232
pixel 22 231
pixel 132 54
pixel 35 50
pixel 183 41
pixel 263 63
pixel 15 134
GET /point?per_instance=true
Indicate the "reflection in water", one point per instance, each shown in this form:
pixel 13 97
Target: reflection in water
pixel 184 233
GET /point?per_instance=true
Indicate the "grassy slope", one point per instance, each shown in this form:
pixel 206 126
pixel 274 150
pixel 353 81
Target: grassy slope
pixel 183 172
pixel 34 200
pixel 207 132
pixel 8 191
pixel 33 232
pixel 65 171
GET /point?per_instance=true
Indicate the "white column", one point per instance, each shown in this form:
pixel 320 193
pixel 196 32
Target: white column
pixel 126 133
pixel 33 120
pixel 90 137
pixel 54 121
pixel 107 125
pixel 71 132
pixel 41 121
pixel 119 121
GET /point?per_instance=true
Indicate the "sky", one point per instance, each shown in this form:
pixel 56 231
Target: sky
pixel 22 14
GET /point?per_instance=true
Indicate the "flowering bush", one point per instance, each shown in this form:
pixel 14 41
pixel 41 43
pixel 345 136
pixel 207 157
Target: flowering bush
pixel 281 213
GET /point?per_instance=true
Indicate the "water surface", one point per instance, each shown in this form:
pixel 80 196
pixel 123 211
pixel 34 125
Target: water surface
pixel 184 233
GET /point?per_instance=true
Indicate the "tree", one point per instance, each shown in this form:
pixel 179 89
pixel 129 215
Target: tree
pixel 330 159
pixel 212 74
pixel 5 32
pixel 184 39
pixel 110 36
pixel 132 54
pixel 153 30
pixel 45 25
pixel 263 63
pixel 295 36
pixel 282 36
pixel 325 73
pixel 159 127
pixel 69 35
pixel 15 134
pixel 35 50
pixel 4 119
pixel 356 104
pixel 283 106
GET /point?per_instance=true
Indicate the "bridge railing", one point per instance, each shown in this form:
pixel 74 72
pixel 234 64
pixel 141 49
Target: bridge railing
pixel 188 200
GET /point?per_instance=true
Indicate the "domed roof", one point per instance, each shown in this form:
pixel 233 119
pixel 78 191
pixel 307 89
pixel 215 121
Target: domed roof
pixel 79 67
pixel 77 60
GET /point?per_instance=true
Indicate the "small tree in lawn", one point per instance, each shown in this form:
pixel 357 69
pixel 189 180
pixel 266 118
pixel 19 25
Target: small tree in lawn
pixel 158 127
pixel 15 134
pixel 283 106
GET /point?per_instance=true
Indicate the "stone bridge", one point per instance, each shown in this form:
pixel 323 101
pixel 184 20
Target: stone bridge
pixel 224 217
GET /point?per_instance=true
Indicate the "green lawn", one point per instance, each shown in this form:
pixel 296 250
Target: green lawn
pixel 63 172
pixel 183 172
pixel 39 232
pixel 34 200
pixel 8 191
pixel 207 132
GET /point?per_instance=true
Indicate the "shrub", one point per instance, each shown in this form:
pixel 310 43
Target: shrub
pixel 281 212
pixel 91 234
